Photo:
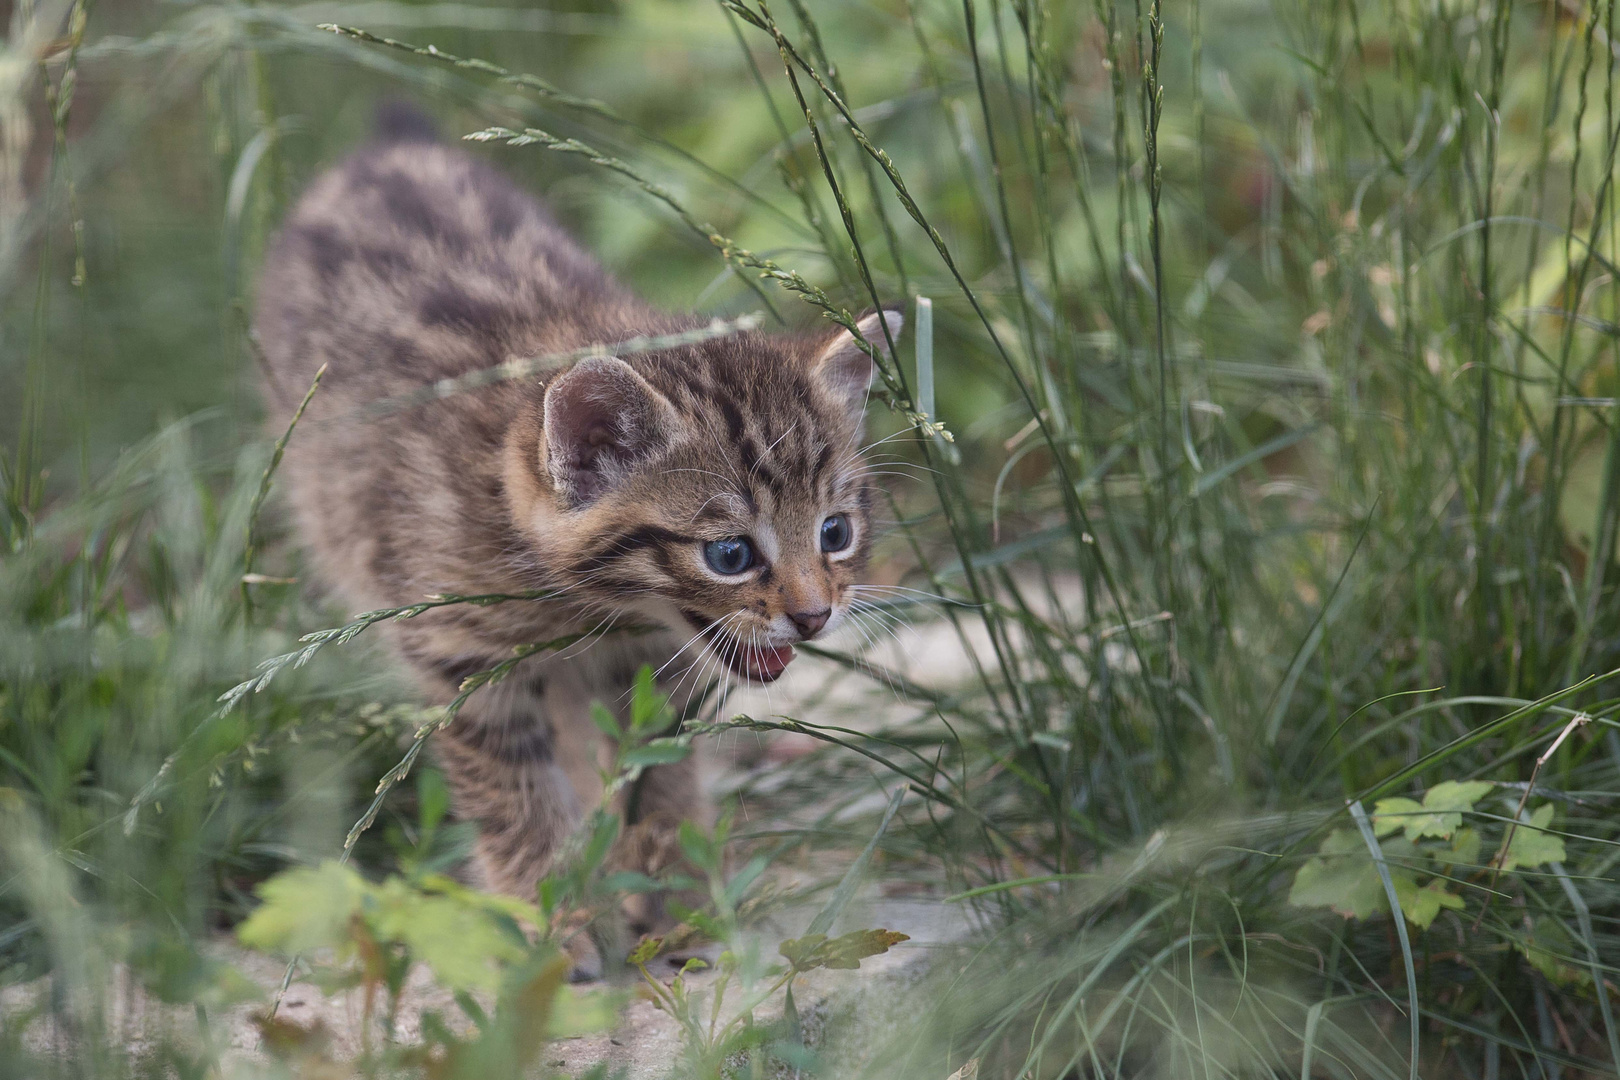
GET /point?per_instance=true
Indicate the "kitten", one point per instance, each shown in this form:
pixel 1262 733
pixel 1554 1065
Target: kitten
pixel 714 491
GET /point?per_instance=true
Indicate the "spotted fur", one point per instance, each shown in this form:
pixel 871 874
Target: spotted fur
pixel 413 262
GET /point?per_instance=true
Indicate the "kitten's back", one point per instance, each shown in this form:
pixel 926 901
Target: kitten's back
pixel 413 262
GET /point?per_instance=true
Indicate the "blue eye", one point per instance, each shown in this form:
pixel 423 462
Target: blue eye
pixel 836 533
pixel 730 556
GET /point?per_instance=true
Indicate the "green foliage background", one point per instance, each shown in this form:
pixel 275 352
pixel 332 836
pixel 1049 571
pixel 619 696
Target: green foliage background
pixel 1276 344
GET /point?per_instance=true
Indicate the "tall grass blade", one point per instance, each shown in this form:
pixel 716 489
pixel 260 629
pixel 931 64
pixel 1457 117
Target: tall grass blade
pixel 1376 850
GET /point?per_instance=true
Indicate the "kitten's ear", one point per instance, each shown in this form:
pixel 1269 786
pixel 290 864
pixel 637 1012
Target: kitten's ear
pixel 844 369
pixel 601 418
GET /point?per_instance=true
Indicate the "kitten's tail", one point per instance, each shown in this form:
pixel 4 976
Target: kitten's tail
pixel 399 121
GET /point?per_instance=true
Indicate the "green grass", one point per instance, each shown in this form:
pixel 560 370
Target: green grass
pixel 1274 349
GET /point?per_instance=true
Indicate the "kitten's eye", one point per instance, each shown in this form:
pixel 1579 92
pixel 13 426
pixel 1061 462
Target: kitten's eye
pixel 836 533
pixel 730 556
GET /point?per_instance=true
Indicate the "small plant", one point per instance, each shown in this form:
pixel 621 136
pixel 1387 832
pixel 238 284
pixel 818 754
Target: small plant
pixel 1428 840
pixel 1433 843
pixel 715 1029
pixel 477 945
pixel 371 935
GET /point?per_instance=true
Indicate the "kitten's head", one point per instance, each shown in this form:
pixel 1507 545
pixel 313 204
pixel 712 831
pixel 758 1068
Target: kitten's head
pixel 717 489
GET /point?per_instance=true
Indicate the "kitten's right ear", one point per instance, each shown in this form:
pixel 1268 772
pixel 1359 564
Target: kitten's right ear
pixel 601 419
pixel 844 368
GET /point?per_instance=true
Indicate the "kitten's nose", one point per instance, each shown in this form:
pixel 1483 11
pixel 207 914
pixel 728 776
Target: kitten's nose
pixel 810 622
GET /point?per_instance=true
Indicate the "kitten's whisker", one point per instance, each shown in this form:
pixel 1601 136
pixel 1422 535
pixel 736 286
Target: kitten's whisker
pixel 863 621
pixel 722 446
pixel 888 472
pixel 903 433
pixel 735 646
pixel 686 645
pixel 767 452
pixel 860 465
pixel 588 638
pixel 870 467
pixel 886 677
pixel 883 611
pixel 713 657
pixel 701 472
pixel 718 495
pixel 698 667
pixel 872 611
pixel 914 592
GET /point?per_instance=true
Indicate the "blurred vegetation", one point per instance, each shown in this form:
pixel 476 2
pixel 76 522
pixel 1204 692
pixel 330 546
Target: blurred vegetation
pixel 1277 499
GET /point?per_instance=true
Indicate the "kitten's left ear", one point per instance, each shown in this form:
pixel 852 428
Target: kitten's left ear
pixel 844 369
pixel 602 419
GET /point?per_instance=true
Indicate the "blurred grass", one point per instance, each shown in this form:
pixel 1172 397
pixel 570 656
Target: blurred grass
pixel 1277 343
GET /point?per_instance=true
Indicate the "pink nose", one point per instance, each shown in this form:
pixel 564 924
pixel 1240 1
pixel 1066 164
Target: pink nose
pixel 810 622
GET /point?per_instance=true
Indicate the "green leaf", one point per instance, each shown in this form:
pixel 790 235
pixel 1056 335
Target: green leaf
pixel 1422 906
pixel 700 850
pixel 432 800
pixel 840 953
pixel 605 722
pixel 1392 815
pixel 551 892
pixel 1341 876
pixel 304 909
pixel 536 1004
pixel 578 1011
pixel 848 950
pixel 1464 849
pixel 495 903
pixel 646 950
pixel 799 951
pixel 657 752
pixel 1446 802
pixel 649 710
pixel 475 1011
pixel 458 939
pixel 1458 795
pixel 1548 947
pixel 1441 812
pixel 1531 846
pixel 790 1017
pixel 745 877
pixel 603 833
pixel 631 881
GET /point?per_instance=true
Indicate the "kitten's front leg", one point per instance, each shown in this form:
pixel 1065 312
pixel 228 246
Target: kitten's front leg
pixel 653 809
pixel 505 768
pixel 525 761
pixel 527 782
pixel 650 810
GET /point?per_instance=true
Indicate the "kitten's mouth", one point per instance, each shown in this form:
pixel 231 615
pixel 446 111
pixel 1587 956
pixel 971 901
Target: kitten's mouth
pixel 761 664
pixel 757 663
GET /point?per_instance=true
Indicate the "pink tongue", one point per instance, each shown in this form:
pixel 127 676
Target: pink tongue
pixel 770 661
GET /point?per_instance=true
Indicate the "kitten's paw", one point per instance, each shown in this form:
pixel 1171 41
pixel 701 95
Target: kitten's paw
pixel 584 954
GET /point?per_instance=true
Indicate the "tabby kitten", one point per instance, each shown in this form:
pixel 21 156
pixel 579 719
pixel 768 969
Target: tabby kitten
pixel 714 491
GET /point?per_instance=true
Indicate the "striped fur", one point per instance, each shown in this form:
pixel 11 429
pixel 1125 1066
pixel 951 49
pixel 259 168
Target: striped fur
pixel 413 262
